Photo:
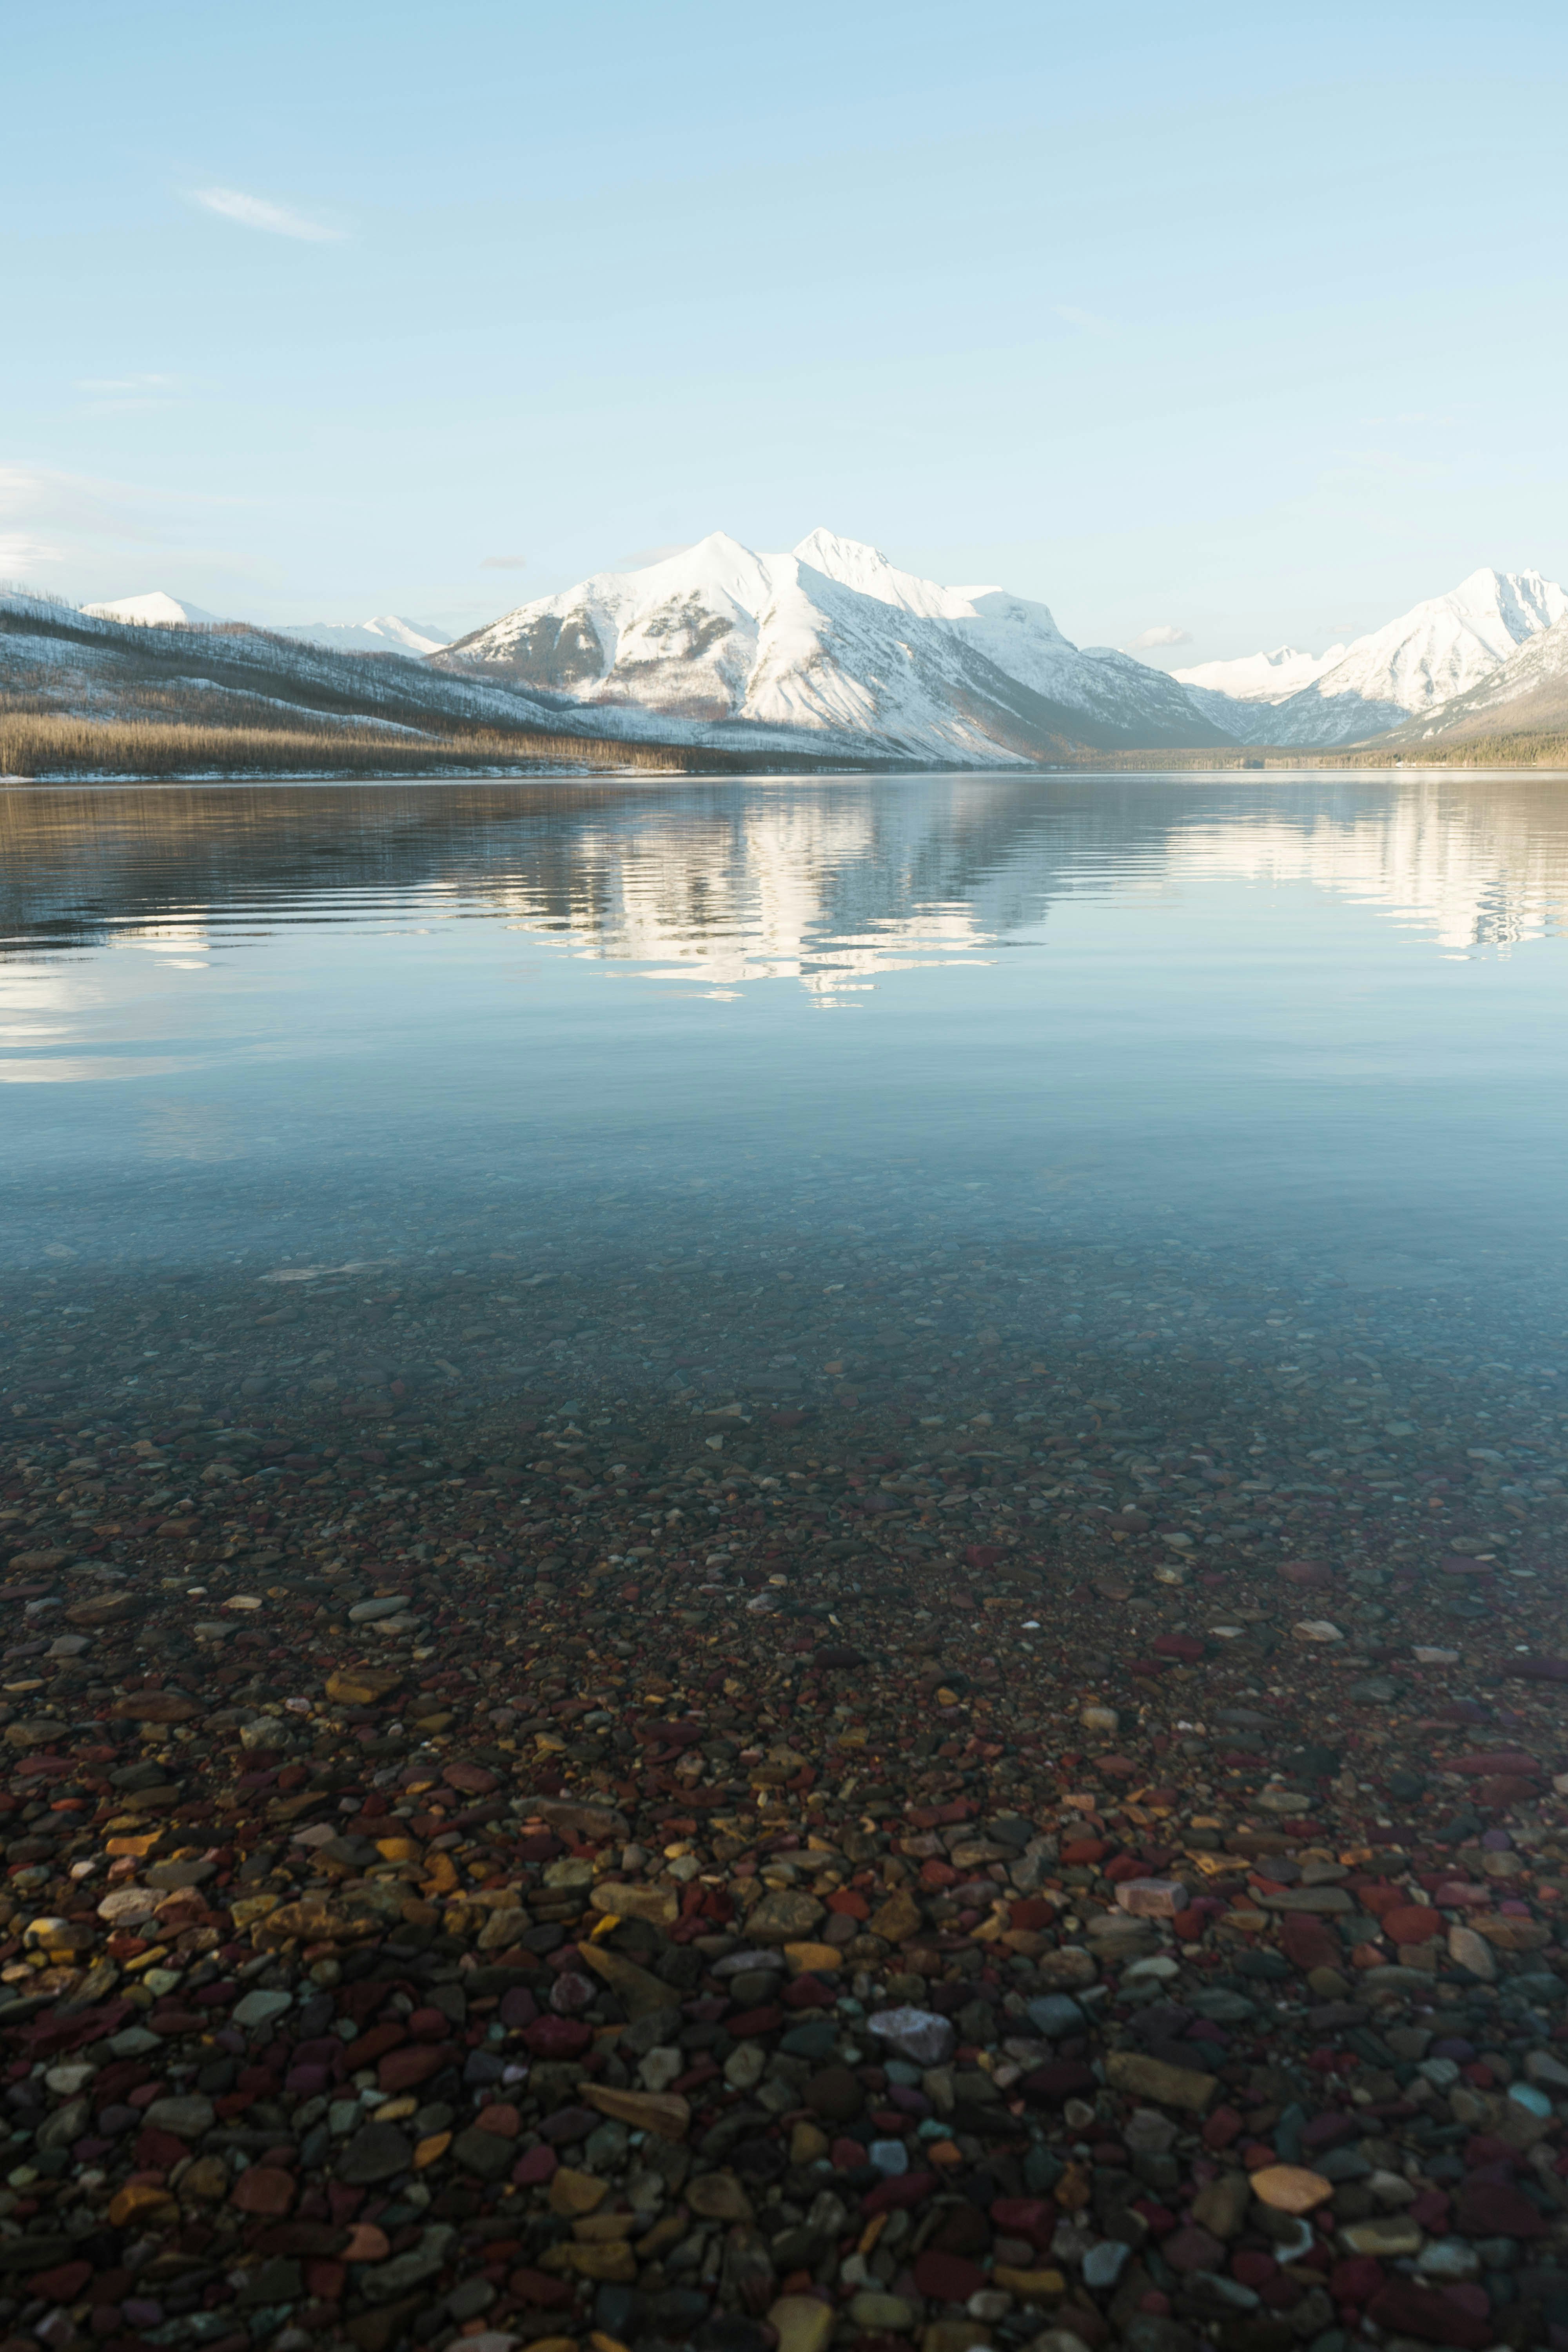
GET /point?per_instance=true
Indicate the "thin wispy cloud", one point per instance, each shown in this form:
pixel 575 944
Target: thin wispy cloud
pixel 52 522
pixel 19 551
pixel 126 383
pixel 1164 633
pixel 258 213
pixel 503 564
pixel 1089 322
pixel 44 508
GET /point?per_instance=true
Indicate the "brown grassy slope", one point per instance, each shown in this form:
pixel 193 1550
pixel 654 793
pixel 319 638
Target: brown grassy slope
pixel 1546 749
pixel 41 744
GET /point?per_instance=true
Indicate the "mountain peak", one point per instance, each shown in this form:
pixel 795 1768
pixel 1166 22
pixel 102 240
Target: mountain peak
pixel 385 633
pixel 154 610
pixel 832 637
pixel 1441 648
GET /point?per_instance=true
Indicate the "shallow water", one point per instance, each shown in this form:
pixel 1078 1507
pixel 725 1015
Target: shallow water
pixel 1304 1029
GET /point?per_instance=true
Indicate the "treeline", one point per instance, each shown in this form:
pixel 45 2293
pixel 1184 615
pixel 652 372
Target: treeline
pixel 1545 748
pixel 40 744
pixel 1539 749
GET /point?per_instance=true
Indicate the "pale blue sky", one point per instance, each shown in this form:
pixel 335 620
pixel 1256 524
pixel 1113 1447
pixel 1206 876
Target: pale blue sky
pixel 1244 320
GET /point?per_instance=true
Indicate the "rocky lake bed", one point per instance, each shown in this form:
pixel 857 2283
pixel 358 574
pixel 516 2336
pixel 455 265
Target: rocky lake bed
pixel 984 1791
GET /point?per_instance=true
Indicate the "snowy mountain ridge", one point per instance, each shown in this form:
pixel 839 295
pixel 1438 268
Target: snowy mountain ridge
pixel 1262 678
pixel 1442 648
pixel 1529 691
pixel 385 633
pixel 154 611
pixel 834 647
pixel 832 635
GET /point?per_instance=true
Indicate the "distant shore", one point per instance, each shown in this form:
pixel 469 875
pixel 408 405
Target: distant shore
pixel 47 747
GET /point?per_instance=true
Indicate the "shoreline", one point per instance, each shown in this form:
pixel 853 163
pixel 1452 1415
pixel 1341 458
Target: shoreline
pixel 1109 763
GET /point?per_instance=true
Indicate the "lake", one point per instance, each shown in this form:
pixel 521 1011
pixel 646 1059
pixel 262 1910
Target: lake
pixel 1304 1032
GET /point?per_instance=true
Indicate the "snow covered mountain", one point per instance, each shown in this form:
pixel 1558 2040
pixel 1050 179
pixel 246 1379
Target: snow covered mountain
pixel 1407 669
pixel 154 611
pixel 388 633
pixel 1261 677
pixel 833 636
pixel 57 660
pixel 1527 692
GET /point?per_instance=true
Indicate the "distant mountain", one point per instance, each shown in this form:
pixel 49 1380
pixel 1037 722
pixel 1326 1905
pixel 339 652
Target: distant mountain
pixel 58 661
pixel 1261 677
pixel 833 636
pixel 828 655
pixel 388 633
pixel 1527 693
pixel 154 611
pixel 1407 669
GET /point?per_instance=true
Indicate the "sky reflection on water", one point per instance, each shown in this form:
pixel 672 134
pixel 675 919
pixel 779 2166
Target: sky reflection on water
pixel 1323 1012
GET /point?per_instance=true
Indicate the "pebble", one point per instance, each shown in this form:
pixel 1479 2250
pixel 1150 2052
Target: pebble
pixel 1289 2189
pixel 971 1945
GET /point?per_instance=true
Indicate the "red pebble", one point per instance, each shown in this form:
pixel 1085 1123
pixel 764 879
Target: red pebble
pixel 1355 2280
pixel 264 2189
pixel 561 2037
pixel 903 2191
pixel 949 2278
pixel 401 2070
pixel 1221 2127
pixel 62 2285
pixel 1032 1914
pixel 500 2119
pixel 1034 2217
pixel 1412 1923
pixel 539 2288
pixel 1406 2309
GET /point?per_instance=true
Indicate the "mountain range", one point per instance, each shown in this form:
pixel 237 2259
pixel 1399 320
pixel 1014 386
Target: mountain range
pixel 834 651
pixel 1410 668
pixel 832 635
pixel 388 633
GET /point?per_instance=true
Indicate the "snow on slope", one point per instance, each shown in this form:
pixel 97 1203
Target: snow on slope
pixel 832 636
pixel 1106 689
pixel 1529 690
pixel 387 633
pixel 1412 667
pixel 154 611
pixel 68 661
pixel 1262 678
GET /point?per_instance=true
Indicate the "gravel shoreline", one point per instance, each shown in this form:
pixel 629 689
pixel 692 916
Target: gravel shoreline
pixel 878 1815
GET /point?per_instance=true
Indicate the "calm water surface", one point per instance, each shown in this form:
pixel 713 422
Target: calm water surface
pixel 1316 1016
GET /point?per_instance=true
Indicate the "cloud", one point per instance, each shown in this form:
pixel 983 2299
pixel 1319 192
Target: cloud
pixel 126 382
pixel 1164 633
pixel 1089 320
pixel 503 564
pixel 19 550
pixel 94 529
pixel 63 503
pixel 254 212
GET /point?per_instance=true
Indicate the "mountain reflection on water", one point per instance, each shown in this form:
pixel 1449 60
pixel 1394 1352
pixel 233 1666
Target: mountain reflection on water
pixel 1136 998
pixel 743 880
